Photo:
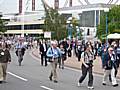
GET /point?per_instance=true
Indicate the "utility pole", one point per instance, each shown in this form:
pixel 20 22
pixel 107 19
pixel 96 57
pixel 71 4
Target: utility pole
pixel 33 5
pixel 70 3
pixel 20 6
pixel 56 4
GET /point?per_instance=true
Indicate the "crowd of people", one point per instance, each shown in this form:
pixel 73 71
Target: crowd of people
pixel 86 52
pixel 56 52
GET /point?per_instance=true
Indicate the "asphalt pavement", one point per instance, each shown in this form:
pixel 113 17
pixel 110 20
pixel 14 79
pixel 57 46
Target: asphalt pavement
pixel 32 76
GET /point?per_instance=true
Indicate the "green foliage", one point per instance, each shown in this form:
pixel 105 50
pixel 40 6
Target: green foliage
pixel 75 23
pixel 113 22
pixel 2 26
pixel 55 23
pixel 114 19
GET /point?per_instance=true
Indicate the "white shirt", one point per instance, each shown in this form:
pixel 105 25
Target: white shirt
pixel 44 46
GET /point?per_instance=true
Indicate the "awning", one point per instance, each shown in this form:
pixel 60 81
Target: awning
pixel 114 36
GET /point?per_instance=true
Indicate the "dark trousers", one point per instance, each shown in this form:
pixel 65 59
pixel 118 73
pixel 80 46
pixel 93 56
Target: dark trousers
pixel 61 62
pixel 43 59
pixel 84 73
pixel 75 51
pixel 69 53
pixel 79 55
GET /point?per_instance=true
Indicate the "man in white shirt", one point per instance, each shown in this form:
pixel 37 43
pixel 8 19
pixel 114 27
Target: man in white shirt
pixel 43 50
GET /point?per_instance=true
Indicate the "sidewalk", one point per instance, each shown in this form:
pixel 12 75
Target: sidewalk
pixel 73 63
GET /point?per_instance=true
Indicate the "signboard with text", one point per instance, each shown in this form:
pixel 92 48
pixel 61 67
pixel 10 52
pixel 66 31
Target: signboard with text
pixel 47 34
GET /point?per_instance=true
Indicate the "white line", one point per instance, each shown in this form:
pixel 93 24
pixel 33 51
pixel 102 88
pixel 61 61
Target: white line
pixel 17 76
pixel 72 69
pixel 46 88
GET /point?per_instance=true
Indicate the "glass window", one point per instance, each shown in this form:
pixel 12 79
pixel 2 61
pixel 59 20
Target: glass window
pixel 26 27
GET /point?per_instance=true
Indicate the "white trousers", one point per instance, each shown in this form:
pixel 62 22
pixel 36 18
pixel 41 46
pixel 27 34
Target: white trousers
pixel 106 75
pixel 114 81
pixel 1 72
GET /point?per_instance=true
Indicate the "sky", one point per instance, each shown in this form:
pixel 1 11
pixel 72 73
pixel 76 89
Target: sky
pixel 11 6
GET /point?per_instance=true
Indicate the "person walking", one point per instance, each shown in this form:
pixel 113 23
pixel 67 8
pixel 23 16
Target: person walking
pixel 43 50
pixel 53 53
pixel 87 58
pixel 109 65
pixel 20 51
pixel 5 58
pixel 63 56
pixel 1 70
pixel 79 51
pixel 69 49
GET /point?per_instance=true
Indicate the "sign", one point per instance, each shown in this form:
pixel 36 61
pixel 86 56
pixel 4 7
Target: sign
pixel 47 34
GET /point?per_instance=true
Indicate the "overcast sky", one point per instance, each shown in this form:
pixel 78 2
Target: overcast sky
pixel 11 6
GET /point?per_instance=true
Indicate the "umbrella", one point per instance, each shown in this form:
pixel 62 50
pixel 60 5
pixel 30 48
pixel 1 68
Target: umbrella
pixel 114 36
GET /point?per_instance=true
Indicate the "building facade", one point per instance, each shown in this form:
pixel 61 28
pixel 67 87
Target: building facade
pixel 89 16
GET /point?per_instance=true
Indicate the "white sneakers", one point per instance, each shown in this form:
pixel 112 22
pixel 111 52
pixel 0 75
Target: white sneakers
pixel 90 87
pixel 79 84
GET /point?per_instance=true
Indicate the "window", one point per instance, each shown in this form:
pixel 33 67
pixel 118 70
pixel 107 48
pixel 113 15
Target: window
pixel 26 27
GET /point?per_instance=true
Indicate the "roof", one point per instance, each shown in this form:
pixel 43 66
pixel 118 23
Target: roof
pixel 99 5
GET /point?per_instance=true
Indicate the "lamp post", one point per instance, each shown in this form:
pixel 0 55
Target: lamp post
pixel 69 27
pixel 78 32
pixel 106 10
pixel 106 30
pixel 70 31
pixel 23 20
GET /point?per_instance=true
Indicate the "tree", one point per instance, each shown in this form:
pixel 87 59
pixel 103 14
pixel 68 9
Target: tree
pixel 113 22
pixel 2 26
pixel 55 23
pixel 114 19
pixel 75 23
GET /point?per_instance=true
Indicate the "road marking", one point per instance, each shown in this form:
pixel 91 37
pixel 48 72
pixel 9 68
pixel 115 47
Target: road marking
pixel 46 88
pixel 72 69
pixel 17 76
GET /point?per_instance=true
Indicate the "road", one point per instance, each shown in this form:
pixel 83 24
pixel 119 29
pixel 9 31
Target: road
pixel 32 76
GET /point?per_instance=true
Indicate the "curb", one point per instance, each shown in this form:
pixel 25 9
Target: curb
pixel 35 55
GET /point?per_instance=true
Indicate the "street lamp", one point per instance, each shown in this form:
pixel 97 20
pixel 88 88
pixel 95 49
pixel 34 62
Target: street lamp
pixel 78 32
pixel 106 10
pixel 69 27
pixel 23 20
